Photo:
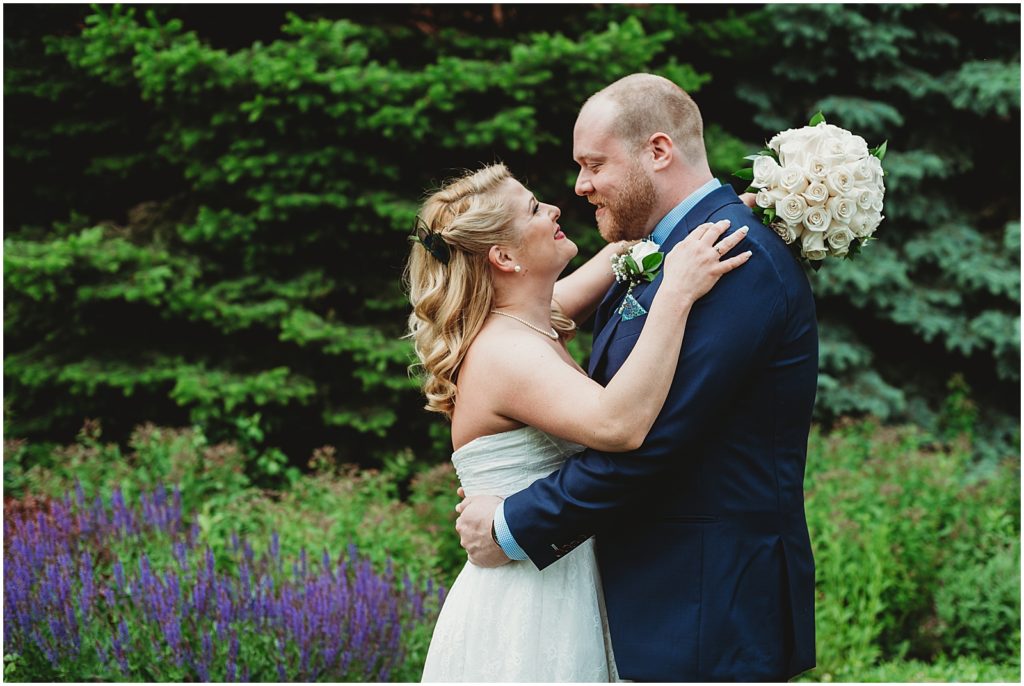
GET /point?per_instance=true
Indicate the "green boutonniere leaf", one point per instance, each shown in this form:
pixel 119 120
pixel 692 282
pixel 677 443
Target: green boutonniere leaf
pixel 631 264
pixel 818 118
pixel 653 261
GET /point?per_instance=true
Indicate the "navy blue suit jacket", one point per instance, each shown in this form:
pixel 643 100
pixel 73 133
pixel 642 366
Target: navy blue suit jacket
pixel 701 537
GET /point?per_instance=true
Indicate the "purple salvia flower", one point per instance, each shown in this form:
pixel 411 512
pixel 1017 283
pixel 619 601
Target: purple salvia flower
pixel 119 574
pixel 120 513
pixel 148 511
pixel 99 514
pixel 88 590
pixel 101 652
pixel 207 649
pixel 57 629
pixel 108 597
pixel 173 587
pixel 181 555
pixel 325 561
pixel 232 656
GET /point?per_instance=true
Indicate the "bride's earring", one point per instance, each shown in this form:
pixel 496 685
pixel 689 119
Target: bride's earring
pixel 518 269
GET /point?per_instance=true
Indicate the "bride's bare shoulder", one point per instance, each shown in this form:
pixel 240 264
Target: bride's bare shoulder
pixel 499 351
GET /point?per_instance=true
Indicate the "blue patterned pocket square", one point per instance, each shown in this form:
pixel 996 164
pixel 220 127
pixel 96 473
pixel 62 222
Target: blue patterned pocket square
pixel 631 309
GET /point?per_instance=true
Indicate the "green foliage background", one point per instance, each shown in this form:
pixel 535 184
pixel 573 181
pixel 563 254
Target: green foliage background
pixel 206 224
pixel 206 214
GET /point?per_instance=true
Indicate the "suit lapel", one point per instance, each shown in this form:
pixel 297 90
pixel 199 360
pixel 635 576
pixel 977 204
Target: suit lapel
pixel 709 204
pixel 604 323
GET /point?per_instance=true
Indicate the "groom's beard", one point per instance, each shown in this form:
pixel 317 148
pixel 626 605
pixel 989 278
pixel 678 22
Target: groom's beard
pixel 626 217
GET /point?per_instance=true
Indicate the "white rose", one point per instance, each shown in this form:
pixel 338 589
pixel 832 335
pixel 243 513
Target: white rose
pixel 839 238
pixel 876 167
pixel 842 208
pixel 822 141
pixel 862 170
pixel 789 136
pixel 812 245
pixel 641 250
pixel 764 198
pixel 874 218
pixel 791 209
pixel 832 150
pixel 766 171
pixel 856 148
pixel 816 193
pixel 834 131
pixel 817 168
pixel 797 144
pixel 864 197
pixel 788 232
pixel 817 218
pixel 839 181
pixel 792 180
pixel 859 225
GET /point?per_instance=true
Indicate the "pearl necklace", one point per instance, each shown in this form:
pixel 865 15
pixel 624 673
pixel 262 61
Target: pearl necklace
pixel 553 335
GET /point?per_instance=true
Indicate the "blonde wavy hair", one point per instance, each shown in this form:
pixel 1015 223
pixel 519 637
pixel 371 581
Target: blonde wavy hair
pixel 450 302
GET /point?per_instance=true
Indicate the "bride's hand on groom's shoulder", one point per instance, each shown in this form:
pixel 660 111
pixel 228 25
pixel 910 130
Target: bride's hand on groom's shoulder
pixel 476 517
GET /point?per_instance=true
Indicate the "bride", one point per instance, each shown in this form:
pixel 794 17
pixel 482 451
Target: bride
pixel 490 323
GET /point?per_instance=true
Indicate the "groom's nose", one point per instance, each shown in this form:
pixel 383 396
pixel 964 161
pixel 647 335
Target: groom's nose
pixel 583 184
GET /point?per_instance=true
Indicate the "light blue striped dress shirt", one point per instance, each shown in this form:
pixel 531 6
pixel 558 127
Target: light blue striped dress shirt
pixel 660 233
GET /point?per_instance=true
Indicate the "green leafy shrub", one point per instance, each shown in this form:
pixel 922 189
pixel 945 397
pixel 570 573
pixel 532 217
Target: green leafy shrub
pixel 252 179
pixel 900 540
pixel 962 670
pixel 978 600
pixel 193 198
pixel 156 455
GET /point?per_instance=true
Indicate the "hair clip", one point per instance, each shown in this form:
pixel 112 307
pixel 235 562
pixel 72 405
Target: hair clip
pixel 432 241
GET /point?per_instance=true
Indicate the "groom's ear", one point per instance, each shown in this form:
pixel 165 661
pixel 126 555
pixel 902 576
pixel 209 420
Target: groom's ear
pixel 662 150
pixel 500 259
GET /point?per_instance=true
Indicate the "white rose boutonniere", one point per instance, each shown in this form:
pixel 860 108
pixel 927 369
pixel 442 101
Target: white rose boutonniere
pixel 820 188
pixel 640 263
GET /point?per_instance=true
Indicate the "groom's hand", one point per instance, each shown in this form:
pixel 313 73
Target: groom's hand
pixel 749 199
pixel 476 517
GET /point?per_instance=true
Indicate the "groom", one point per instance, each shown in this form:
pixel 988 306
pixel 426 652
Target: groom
pixel 702 542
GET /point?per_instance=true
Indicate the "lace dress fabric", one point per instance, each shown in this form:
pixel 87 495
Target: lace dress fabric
pixel 515 623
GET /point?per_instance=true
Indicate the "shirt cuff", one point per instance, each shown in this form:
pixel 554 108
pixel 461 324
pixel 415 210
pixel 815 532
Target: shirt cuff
pixel 505 538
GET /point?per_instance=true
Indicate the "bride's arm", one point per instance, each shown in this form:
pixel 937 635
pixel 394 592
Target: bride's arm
pixel 536 386
pixel 579 293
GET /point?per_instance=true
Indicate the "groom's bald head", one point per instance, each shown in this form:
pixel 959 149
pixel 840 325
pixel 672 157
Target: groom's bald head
pixel 644 104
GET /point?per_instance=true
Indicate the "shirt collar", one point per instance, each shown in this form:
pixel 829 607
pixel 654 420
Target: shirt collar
pixel 669 221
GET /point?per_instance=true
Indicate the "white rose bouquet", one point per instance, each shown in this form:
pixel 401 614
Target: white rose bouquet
pixel 820 188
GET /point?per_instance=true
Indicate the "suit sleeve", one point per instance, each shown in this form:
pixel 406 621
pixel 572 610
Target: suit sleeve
pixel 730 332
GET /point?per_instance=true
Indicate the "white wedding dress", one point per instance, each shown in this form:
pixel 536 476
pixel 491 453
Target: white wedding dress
pixel 515 623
